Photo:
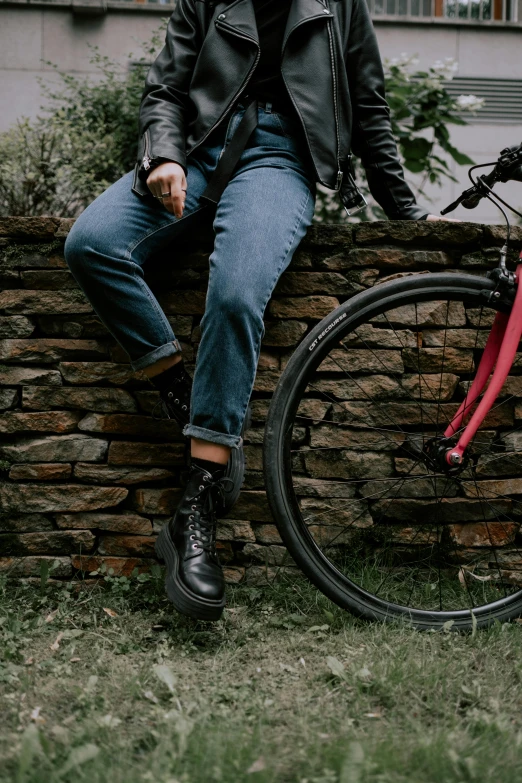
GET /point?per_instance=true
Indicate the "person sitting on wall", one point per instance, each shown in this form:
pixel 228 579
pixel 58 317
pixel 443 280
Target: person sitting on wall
pixel 271 97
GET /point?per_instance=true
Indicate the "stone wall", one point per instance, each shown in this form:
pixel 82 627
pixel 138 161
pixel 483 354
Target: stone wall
pixel 87 475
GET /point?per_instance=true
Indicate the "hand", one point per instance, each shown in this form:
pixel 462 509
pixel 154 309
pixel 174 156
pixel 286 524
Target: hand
pixel 169 178
pixel 440 217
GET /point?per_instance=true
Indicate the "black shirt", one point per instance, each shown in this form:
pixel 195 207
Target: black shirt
pixel 266 82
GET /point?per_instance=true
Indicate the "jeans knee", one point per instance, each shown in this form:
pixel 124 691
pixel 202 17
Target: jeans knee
pixel 75 250
pixel 237 305
pixel 85 252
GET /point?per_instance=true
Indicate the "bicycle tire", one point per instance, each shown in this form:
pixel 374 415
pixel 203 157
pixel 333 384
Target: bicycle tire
pixel 473 291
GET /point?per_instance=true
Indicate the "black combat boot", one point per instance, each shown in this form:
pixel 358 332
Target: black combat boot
pixel 195 583
pixel 175 389
pixel 175 386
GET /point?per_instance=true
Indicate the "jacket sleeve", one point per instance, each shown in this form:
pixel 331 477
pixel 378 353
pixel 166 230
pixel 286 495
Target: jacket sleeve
pixel 372 137
pixel 164 101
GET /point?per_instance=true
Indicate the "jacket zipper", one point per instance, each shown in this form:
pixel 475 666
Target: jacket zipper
pixel 238 93
pixel 327 184
pixel 337 135
pixel 146 157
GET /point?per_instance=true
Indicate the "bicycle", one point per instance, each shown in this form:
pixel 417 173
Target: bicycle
pixel 393 468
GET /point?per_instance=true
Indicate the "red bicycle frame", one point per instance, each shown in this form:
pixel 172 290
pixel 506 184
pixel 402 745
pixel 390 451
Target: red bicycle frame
pixel 499 353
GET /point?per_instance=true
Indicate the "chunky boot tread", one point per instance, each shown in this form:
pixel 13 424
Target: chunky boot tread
pixel 184 600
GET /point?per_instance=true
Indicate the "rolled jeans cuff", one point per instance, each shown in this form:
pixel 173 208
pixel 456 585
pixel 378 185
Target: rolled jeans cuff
pixel 234 441
pixel 169 349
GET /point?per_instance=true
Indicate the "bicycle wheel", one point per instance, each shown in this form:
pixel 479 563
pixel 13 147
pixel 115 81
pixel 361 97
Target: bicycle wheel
pixel 363 502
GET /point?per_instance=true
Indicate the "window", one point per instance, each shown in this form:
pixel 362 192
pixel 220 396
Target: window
pixel 458 10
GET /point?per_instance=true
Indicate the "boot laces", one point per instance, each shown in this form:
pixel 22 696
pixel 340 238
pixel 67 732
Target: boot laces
pixel 203 525
pixel 160 411
pixel 178 394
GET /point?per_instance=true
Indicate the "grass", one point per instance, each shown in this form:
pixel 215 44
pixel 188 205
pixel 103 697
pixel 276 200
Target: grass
pixel 111 684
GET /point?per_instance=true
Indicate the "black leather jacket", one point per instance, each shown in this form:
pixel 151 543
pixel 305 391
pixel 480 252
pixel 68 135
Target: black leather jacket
pixel 333 72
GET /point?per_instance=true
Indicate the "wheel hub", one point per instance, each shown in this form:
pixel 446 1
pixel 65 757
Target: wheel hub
pixel 439 454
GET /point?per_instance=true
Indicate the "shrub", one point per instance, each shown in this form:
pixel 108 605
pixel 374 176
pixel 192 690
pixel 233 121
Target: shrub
pixel 421 109
pixel 84 142
pixel 88 136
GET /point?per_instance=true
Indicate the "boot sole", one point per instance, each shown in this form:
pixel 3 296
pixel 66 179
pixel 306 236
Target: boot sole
pixel 184 600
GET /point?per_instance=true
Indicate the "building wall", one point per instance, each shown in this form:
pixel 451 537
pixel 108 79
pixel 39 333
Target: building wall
pixel 32 35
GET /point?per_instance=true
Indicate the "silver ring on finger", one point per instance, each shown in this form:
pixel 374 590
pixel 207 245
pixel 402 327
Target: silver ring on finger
pixel 165 195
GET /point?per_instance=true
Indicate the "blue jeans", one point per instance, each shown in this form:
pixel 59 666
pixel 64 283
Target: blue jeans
pixel 260 220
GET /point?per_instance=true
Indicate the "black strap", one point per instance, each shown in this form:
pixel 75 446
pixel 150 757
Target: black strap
pixel 230 155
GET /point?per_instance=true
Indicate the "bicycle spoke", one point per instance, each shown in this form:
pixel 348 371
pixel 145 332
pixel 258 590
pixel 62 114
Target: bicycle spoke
pixel 330 543
pixel 491 542
pixel 399 483
pixel 371 486
pixel 475 347
pixel 410 396
pixel 438 535
pixel 418 368
pixel 443 357
pixel 334 402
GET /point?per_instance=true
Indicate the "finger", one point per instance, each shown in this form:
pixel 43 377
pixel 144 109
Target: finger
pixel 154 187
pixel 178 200
pixel 178 187
pixel 175 203
pixel 183 192
pixel 433 218
pixel 152 183
pixel 165 193
pixel 166 196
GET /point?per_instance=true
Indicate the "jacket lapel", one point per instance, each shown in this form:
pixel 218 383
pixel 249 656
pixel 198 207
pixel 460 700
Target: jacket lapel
pixel 240 16
pixel 301 11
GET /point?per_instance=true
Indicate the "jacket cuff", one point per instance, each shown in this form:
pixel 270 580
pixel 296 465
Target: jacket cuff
pixel 412 212
pixel 143 173
pixel 171 153
pixel 154 154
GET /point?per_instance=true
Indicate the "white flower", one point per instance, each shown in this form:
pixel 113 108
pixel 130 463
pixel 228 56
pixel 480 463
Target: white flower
pixel 432 84
pixel 470 102
pixel 404 59
pixel 404 63
pixel 446 68
pixel 408 59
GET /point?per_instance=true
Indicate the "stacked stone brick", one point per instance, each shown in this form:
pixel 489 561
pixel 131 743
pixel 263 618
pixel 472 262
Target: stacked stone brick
pixel 88 476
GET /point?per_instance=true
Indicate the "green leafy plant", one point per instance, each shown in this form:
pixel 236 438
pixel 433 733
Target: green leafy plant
pixel 104 112
pixel 31 161
pixel 149 584
pixel 421 109
pixel 83 142
pixel 87 137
